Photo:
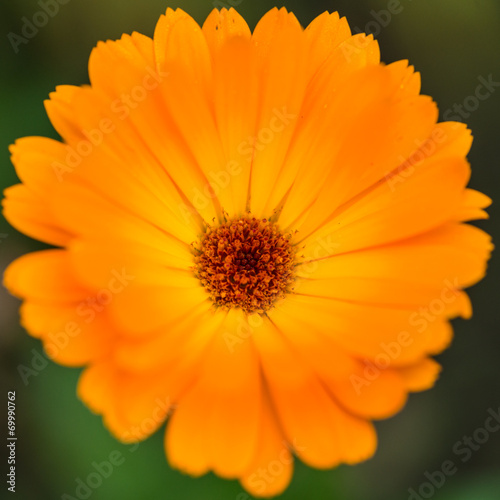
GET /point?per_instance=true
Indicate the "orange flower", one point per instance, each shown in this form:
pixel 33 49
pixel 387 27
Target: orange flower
pixel 260 234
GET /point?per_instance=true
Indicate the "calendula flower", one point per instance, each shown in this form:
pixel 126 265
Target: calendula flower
pixel 260 236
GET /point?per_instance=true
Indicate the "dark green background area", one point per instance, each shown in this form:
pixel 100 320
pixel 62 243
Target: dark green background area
pixel 452 43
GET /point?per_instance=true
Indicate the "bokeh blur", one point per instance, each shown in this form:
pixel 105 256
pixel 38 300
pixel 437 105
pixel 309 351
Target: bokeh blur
pixel 455 44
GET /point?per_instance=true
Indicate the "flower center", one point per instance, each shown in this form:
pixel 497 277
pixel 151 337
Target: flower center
pixel 246 263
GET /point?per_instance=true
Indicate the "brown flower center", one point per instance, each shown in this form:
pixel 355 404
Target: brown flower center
pixel 246 263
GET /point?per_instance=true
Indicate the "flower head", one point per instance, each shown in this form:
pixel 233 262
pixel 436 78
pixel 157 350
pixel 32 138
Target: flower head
pixel 260 236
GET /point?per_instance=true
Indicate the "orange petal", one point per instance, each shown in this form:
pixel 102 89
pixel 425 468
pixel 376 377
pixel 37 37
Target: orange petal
pixel 73 334
pixel 280 56
pixel 29 213
pixel 366 331
pixel 420 376
pixel 233 380
pixel 236 101
pixel 272 466
pixel 323 35
pixel 44 276
pixel 381 394
pixel 223 25
pixel 132 406
pixel 180 342
pixel 473 204
pixel 102 214
pixel 451 256
pixel 228 390
pixel 383 215
pixel 323 435
pixel 139 310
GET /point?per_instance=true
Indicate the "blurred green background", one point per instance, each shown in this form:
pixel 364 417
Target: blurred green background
pixel 452 43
